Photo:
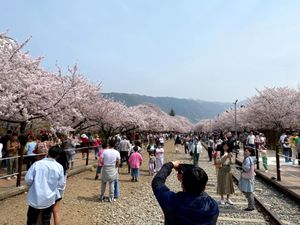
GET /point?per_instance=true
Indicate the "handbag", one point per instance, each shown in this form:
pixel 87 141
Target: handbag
pixel 250 174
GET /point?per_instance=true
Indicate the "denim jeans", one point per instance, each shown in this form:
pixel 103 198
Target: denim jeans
pixel 286 155
pixel 117 189
pixel 96 149
pixel 135 173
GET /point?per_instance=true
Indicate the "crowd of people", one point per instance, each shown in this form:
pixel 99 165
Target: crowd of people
pixel 221 150
pixel 290 143
pixel 47 159
pixel 44 198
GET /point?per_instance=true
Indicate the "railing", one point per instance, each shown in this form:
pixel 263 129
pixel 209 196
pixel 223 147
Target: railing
pixel 19 171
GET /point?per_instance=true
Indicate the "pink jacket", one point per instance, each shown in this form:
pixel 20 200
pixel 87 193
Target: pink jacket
pixel 135 160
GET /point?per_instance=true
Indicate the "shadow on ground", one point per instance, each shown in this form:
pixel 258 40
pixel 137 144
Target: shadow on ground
pixel 88 199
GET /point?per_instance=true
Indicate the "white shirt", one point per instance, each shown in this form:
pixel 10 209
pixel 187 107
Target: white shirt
pixel 227 160
pixel 45 179
pixel 161 140
pixel 124 145
pixel 282 137
pixel 251 139
pixel 159 153
pixel 110 157
pixel 199 147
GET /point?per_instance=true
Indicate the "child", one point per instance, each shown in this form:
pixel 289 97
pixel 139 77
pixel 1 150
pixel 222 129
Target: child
pixel 135 161
pixel 159 157
pixel 100 162
pixel 151 163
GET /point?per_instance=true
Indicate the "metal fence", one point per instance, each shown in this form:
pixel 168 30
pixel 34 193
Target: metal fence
pixel 15 164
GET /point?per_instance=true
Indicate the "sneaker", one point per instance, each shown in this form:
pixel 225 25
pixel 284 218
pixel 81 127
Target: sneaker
pixel 8 178
pixel 14 176
pixel 229 202
pixel 266 171
pixel 222 202
pixel 101 198
pixel 111 200
pixel 96 177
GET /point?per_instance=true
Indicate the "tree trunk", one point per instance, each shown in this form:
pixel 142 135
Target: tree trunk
pixel 23 127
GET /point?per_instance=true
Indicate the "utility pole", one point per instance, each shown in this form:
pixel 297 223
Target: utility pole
pixel 235 122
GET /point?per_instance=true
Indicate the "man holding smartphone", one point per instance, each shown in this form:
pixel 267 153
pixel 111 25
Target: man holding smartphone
pixel 191 205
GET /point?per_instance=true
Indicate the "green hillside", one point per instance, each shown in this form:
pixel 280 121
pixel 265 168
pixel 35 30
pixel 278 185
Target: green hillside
pixel 194 110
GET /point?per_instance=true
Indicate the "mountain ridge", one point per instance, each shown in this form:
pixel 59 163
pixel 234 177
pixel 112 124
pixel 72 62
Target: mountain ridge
pixel 193 109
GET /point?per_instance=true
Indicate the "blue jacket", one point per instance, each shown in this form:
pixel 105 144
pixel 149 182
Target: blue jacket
pixel 183 208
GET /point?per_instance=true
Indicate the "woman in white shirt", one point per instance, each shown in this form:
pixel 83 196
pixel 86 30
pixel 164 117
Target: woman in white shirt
pixel 224 180
pixel 159 153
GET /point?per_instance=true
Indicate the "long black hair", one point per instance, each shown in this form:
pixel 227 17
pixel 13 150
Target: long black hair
pixel 222 145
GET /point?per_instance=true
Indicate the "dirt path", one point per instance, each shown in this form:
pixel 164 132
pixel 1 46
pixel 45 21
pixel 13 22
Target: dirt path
pixel 137 205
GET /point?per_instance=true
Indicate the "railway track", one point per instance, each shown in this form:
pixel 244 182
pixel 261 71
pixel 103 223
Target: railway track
pixel 273 207
pixel 277 207
pixel 232 214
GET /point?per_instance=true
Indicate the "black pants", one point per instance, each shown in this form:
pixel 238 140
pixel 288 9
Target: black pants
pixel 209 151
pixel 33 215
pixel 195 159
pixel 29 160
pixel 124 157
pixel 186 149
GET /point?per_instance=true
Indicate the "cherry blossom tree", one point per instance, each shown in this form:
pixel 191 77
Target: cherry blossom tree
pixel 67 101
pixel 181 124
pixel 273 108
pixel 30 93
pixel 153 118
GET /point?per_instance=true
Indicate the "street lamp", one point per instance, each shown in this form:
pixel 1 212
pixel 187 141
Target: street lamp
pixel 235 126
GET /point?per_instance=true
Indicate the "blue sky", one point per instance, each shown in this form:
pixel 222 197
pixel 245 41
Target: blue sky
pixel 208 50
